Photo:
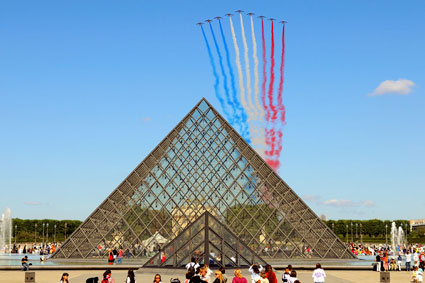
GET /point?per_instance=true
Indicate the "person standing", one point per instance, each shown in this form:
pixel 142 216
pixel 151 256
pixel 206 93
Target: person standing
pixel 110 257
pixel 107 277
pixel 378 262
pixel 408 260
pixel 157 279
pixel 119 258
pixel 255 273
pixel 130 277
pixel 271 276
pixel 399 260
pixel 319 274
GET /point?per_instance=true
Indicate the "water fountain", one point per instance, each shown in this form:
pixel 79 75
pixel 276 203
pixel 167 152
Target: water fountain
pixel 6 232
pixel 397 236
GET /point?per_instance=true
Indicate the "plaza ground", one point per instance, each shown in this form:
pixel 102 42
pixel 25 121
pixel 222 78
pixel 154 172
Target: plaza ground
pixel 147 275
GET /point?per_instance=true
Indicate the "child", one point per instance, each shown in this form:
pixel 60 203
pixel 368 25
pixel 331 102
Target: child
pixel 414 275
pixel 263 275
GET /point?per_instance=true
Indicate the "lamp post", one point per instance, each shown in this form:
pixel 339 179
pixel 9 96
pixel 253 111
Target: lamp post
pixel 35 233
pixel 43 234
pixel 357 235
pixel 47 236
pixel 352 232
pixel 16 227
pixel 333 227
pixel 65 230
pixel 346 233
pixel 361 234
pixel 55 234
pixel 386 238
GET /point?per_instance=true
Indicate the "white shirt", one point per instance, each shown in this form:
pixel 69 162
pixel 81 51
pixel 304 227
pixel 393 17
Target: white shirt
pixel 128 280
pixel 292 279
pixel 192 264
pixel 408 258
pixel 319 275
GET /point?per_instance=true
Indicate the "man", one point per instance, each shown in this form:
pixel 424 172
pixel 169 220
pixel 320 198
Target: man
pixel 25 265
pixel 378 262
pixel 408 260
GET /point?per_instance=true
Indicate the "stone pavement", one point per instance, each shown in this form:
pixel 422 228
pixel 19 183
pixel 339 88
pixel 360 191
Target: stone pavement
pixel 147 275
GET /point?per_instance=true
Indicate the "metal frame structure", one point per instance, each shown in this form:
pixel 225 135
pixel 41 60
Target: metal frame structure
pixel 202 165
pixel 210 241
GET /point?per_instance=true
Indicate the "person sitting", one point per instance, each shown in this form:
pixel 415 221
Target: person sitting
pixel 393 264
pixel 25 265
pixel 238 277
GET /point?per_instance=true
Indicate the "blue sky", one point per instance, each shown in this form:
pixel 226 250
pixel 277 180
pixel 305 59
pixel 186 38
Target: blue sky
pixel 88 88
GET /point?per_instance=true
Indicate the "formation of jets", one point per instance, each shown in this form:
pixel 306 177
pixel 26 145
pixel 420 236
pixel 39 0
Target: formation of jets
pixel 240 12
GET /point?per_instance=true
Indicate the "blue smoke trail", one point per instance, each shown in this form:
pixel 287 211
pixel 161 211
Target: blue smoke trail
pixel 226 89
pixel 242 118
pixel 217 81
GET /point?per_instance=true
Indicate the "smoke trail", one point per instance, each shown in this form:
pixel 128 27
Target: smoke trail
pixel 239 68
pixel 220 60
pixel 216 84
pixel 260 112
pixel 263 96
pixel 281 107
pixel 240 115
pixel 251 111
pixel 270 92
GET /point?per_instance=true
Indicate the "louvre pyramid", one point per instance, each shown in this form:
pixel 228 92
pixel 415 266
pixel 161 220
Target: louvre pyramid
pixel 202 165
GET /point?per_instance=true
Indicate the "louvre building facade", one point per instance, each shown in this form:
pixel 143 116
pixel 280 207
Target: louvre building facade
pixel 204 192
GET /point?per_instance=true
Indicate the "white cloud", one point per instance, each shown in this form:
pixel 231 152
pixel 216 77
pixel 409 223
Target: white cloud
pixel 340 203
pixel 310 198
pixel 400 86
pixel 33 203
pixel 368 203
pixel 348 203
pixel 146 119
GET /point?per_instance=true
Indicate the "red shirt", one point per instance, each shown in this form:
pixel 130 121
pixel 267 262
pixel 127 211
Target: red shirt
pixel 273 278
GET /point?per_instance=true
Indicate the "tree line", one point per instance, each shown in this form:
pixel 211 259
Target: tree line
pixel 29 230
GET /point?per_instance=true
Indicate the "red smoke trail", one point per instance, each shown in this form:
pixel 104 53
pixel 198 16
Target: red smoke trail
pixel 281 107
pixel 277 149
pixel 272 159
pixel 269 142
pixel 270 92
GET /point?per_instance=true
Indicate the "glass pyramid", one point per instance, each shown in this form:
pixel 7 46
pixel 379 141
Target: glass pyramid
pixel 202 165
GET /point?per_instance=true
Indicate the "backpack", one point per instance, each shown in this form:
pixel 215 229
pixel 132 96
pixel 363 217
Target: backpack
pixel 175 280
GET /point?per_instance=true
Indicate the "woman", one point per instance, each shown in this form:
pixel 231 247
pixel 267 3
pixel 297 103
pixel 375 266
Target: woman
pixel 271 276
pixel 293 277
pixel 110 257
pixel 64 278
pixel 130 277
pixel 255 273
pixel 107 277
pixel 157 279
pixel 319 274
pixel 218 277
pixel 385 261
pixel 238 277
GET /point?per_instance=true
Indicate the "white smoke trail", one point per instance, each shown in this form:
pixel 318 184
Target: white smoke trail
pixel 252 112
pixel 239 67
pixel 260 112
pixel 259 141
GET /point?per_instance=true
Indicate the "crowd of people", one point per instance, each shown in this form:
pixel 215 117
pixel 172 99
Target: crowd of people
pixel 203 274
pixel 259 274
pixel 35 249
